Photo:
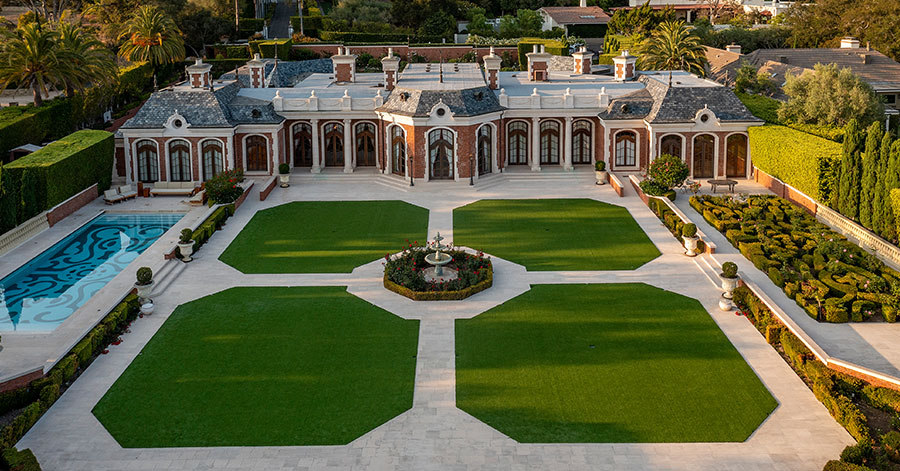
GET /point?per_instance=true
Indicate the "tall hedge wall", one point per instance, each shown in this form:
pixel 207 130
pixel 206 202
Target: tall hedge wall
pixel 551 46
pixel 799 159
pixel 268 48
pixel 62 169
pixel 29 125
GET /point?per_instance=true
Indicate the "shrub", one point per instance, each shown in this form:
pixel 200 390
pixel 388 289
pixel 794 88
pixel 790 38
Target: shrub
pixel 144 276
pixel 551 46
pixel 689 230
pixel 794 349
pixel 408 269
pixel 284 169
pixel 600 166
pixel 858 454
pixel 835 465
pixel 882 398
pixel 729 270
pixel 652 188
pixel 186 237
pixel 801 160
pixel 29 125
pixel 891 442
pixel 14 432
pixel 49 395
pixel 15 460
pixel 668 171
pixel 225 187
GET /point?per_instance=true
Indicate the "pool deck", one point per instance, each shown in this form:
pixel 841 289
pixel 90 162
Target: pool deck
pixel 22 353
pixel 434 434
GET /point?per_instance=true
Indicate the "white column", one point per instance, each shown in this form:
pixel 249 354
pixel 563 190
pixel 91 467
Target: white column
pixel 348 147
pixel 128 177
pixel 535 145
pixel 229 144
pixel 317 158
pixel 273 169
pixel 567 145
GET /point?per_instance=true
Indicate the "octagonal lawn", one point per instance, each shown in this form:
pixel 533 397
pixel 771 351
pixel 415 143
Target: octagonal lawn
pixel 554 234
pixel 610 363
pixel 265 366
pixel 324 236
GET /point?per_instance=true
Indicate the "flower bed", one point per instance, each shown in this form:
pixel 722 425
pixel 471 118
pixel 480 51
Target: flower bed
pixel 827 275
pixel 404 274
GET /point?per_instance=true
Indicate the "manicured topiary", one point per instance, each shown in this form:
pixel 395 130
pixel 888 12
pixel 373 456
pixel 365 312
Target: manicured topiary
pixel 600 166
pixel 689 230
pixel 144 276
pixel 858 454
pixel 284 169
pixel 187 236
pixel 729 270
pixel 668 170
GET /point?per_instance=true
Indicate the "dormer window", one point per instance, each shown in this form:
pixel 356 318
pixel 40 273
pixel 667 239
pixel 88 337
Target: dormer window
pixel 704 118
pixel 177 123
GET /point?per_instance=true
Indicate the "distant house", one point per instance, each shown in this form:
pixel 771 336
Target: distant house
pixel 583 21
pixel 689 10
pixel 873 67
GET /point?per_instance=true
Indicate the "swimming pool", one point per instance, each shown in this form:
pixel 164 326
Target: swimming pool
pixel 44 292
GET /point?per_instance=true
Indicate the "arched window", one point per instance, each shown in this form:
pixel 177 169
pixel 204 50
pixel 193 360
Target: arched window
pixel 704 156
pixel 257 154
pixel 440 153
pixel 303 145
pixel 334 145
pixel 147 161
pixel 485 149
pixel 398 150
pixel 581 142
pixel 736 156
pixel 213 163
pixel 549 142
pixel 365 145
pixel 179 161
pixel 626 146
pixel 517 143
pixel 672 145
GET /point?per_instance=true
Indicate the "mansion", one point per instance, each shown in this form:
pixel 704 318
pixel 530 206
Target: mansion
pixel 434 121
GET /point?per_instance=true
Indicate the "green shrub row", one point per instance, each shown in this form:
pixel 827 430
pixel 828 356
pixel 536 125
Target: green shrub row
pixel 551 46
pixel 312 25
pixel 671 220
pixel 441 295
pixel 53 174
pixel 804 161
pixel 357 37
pixel 43 392
pixel 271 47
pixel 214 222
pixel 16 460
pixel 223 66
pixel 21 125
pixel 831 278
pixel 252 24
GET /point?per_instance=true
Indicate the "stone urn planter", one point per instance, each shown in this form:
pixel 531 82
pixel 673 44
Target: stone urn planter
pixel 689 236
pixel 729 278
pixel 147 308
pixel 600 172
pixel 144 284
pixel 284 175
pixel 725 303
pixel 186 245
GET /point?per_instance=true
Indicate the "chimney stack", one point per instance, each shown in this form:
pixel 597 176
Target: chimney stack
pixel 257 72
pixel 735 48
pixel 390 65
pixel 625 67
pixel 199 74
pixel 583 4
pixel 583 60
pixel 344 65
pixel 492 69
pixel 849 42
pixel 538 64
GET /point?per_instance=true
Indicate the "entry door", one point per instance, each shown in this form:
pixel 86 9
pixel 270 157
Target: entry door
pixel 365 145
pixel 736 156
pixel 303 146
pixel 441 154
pixel 704 154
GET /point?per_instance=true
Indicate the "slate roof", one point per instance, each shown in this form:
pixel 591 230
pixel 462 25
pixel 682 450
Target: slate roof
pixel 577 15
pixel 466 102
pixel 286 74
pixel 661 103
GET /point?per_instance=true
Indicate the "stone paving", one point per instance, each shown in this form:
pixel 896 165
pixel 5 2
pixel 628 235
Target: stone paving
pixel 434 434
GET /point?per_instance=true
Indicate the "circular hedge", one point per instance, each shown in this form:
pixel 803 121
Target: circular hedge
pixel 404 274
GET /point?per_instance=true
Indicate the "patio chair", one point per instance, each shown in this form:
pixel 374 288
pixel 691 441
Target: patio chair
pixel 112 196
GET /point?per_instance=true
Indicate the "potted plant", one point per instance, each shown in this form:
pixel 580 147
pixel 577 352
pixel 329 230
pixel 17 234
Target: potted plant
pixel 600 171
pixel 186 244
pixel 144 284
pixel 284 175
pixel 729 278
pixel 689 235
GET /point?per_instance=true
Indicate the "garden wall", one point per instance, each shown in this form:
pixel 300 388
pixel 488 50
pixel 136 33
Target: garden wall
pixel 430 53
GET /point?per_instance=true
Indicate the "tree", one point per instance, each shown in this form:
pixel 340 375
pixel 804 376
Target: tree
pixel 869 173
pixel 361 11
pixel 529 22
pixel 672 47
pixel 151 36
pixel 86 61
pixel 848 174
pixel 879 212
pixel 439 24
pixel 509 26
pixel 830 96
pixel 478 24
pixel 642 20
pixel 824 22
pixel 719 7
pixel 748 80
pixel 28 58
pixel 891 181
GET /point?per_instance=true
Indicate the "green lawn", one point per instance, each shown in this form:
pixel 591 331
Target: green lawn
pixel 324 236
pixel 616 363
pixel 554 234
pixel 265 366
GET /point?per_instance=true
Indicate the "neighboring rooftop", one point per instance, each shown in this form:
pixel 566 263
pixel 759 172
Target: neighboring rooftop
pixel 577 15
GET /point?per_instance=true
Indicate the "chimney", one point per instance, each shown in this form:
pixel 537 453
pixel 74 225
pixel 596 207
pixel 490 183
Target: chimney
pixel 865 58
pixel 735 48
pixel 625 67
pixel 583 4
pixel 198 74
pixel 849 42
pixel 390 65
pixel 257 72
pixel 583 60
pixel 344 65
pixel 538 64
pixel 492 69
pixel 782 58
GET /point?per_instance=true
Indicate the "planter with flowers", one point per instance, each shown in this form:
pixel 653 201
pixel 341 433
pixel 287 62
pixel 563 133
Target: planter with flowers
pixel 404 274
pixel 284 175
pixel 600 172
pixel 225 187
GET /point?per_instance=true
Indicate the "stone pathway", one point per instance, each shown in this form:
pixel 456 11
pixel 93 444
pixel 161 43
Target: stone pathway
pixel 434 434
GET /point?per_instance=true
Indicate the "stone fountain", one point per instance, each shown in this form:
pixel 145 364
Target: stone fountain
pixel 437 260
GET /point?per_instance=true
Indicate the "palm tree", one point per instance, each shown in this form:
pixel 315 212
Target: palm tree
pixel 151 36
pixel 86 60
pixel 672 47
pixel 28 58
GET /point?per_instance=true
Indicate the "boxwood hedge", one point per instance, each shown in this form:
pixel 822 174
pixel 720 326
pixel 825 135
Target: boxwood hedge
pixel 801 160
